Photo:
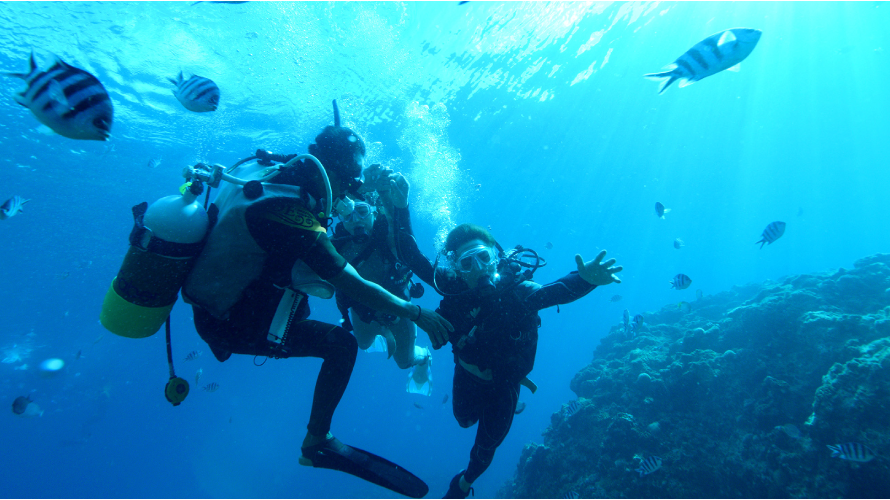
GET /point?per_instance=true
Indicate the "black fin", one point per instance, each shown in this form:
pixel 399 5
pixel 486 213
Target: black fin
pixel 332 454
pixel 336 114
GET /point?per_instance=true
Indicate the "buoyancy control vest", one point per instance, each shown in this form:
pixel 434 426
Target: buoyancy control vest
pixel 231 259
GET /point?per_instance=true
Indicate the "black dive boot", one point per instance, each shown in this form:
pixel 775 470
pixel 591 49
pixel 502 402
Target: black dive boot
pixel 454 490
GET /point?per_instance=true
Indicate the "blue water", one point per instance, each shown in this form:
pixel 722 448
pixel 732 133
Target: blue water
pixel 531 118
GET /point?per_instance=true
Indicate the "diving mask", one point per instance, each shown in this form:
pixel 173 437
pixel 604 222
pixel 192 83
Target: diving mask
pixel 360 211
pixel 481 257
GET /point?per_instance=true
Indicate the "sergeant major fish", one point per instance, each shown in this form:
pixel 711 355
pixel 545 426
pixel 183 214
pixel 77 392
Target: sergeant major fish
pixel 773 231
pixel 211 387
pixel 12 206
pixel 720 51
pixel 192 356
pixel 678 243
pixel 681 282
pixel 638 323
pixel 197 94
pixel 853 452
pixel 68 100
pixel 649 465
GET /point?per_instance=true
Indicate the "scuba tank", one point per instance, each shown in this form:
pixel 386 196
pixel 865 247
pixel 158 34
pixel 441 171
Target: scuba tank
pixel 166 238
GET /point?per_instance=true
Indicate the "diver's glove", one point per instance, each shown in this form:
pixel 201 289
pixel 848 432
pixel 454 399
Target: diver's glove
pixel 597 272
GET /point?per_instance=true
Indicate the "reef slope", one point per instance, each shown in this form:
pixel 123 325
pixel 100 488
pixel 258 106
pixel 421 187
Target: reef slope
pixel 712 392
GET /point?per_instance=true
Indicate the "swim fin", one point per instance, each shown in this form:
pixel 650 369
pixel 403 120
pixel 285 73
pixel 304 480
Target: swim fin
pixel 332 454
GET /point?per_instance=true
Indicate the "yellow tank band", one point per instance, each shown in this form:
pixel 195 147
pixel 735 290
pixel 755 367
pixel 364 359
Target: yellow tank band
pixel 295 216
pixel 129 320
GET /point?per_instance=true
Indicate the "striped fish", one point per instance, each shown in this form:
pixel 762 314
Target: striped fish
pixel 681 282
pixel 853 452
pixel 192 356
pixel 197 94
pixel 572 408
pixel 68 100
pixel 211 387
pixel 12 206
pixel 638 323
pixel 649 465
pixel 772 232
pixel 572 495
pixel 720 51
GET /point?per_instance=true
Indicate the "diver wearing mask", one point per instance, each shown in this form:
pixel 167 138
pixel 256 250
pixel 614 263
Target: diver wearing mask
pixel 378 241
pixel 249 287
pixel 493 307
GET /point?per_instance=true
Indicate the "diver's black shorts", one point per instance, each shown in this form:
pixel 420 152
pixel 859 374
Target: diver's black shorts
pixel 246 329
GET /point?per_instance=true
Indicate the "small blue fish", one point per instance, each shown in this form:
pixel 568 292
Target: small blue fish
pixel 12 206
pixel 445 399
pixel 720 51
pixel 154 163
pixel 681 282
pixel 660 210
pixel 626 321
pixel 649 466
pixel 684 306
pixel 772 232
pixel 418 405
pixel 572 409
pixel 520 407
pixel 616 298
pixel 853 452
pixel 548 246
pixel 192 356
pixel 197 94
pixel 211 387
pixel 678 243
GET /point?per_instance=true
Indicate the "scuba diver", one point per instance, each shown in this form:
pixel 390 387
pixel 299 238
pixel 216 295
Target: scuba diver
pixel 493 305
pixel 376 238
pixel 266 253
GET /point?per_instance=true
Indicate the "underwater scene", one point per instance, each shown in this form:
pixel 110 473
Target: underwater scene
pixel 729 156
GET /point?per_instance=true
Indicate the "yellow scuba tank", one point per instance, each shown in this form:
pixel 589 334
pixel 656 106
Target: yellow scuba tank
pixel 166 238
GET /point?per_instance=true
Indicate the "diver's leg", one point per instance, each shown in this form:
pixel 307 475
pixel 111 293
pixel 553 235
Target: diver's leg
pixel 494 424
pixel 407 355
pixel 337 348
pixel 466 399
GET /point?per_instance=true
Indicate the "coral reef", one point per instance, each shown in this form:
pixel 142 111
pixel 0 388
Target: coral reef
pixel 712 392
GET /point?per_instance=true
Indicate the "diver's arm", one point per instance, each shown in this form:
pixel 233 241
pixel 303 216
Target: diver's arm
pixel 374 296
pixel 407 250
pixel 567 289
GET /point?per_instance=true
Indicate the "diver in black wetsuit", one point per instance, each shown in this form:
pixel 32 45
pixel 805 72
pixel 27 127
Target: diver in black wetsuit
pixel 249 286
pixel 376 238
pixel 494 311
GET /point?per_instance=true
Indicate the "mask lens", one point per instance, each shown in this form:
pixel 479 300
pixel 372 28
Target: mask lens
pixel 362 210
pixel 481 255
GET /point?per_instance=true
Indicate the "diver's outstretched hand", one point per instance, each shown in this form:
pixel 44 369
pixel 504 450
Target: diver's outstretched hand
pixel 597 272
pixel 435 326
pixel 398 190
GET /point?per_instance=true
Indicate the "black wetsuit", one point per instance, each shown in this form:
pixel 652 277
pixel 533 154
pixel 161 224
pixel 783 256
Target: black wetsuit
pixel 400 267
pixel 245 329
pixel 505 340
